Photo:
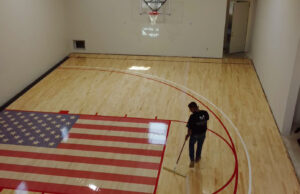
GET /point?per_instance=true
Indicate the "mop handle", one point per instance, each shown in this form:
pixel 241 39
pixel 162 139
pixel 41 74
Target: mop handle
pixel 180 152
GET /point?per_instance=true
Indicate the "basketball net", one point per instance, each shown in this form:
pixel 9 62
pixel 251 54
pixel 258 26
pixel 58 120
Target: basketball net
pixel 153 17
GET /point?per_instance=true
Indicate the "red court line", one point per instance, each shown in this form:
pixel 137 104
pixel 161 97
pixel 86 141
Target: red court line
pixel 109 138
pixel 80 159
pixel 121 119
pixel 35 186
pixel 78 174
pixel 111 128
pixel 118 150
pixel 220 136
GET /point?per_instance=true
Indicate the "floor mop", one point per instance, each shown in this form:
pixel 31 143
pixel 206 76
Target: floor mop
pixel 174 170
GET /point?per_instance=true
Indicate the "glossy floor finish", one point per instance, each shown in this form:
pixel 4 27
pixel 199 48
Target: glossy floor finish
pixel 243 151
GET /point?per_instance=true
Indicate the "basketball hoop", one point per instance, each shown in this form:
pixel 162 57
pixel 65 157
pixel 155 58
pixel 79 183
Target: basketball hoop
pixel 153 17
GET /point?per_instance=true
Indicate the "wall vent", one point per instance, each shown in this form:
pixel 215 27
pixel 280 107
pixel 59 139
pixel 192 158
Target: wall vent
pixel 79 44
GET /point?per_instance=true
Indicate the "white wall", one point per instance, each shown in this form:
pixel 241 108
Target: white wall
pixel 32 40
pixel 291 108
pixel 297 111
pixel 195 28
pixel 276 33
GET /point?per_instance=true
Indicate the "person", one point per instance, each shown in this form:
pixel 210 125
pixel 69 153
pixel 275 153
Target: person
pixel 197 127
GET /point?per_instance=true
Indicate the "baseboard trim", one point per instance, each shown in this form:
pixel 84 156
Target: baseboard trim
pixel 13 99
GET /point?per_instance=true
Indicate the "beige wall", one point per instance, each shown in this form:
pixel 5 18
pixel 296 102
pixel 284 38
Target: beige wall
pixel 196 27
pixel 32 40
pixel 276 33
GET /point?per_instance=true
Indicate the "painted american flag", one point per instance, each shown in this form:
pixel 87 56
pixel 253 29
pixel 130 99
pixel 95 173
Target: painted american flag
pixel 65 153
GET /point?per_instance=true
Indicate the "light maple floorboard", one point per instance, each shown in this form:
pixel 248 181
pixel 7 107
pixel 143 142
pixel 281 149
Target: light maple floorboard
pixel 85 84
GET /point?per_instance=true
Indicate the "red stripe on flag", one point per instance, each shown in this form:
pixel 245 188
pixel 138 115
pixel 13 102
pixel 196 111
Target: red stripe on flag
pixel 80 159
pixel 118 150
pixel 78 174
pixel 35 186
pixel 111 128
pixel 122 119
pixel 109 138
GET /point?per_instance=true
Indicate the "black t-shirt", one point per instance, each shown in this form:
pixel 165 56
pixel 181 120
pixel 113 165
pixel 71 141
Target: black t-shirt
pixel 198 122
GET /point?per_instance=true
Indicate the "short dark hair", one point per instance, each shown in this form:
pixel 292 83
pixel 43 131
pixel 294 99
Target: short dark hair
pixel 193 105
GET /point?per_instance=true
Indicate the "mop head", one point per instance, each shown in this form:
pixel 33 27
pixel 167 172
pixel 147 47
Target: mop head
pixel 174 171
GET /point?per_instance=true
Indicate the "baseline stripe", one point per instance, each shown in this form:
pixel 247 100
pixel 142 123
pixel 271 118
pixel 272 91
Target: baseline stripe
pixel 78 174
pixel 111 128
pixel 157 147
pixel 96 185
pixel 109 138
pixel 80 153
pixel 113 123
pixel 80 166
pixel 110 149
pixel 59 188
pixel 79 159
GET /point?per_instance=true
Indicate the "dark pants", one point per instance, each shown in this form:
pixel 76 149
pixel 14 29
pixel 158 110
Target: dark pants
pixel 200 140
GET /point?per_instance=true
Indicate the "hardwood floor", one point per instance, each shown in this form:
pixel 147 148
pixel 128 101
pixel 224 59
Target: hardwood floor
pixel 104 84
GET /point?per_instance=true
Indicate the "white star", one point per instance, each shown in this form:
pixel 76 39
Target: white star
pixel 45 115
pixel 48 128
pixel 1 136
pixel 72 117
pixel 52 132
pixel 13 132
pixel 44 124
pixel 58 126
pixel 42 135
pixel 51 144
pixel 27 134
pixel 9 116
pixel 36 142
pixel 5 140
pixel 32 138
pixel 53 122
pixel 15 123
pixel 26 120
pixel 20 141
pixel 20 126
pixel 47 139
pixel 57 136
pixel 30 124
pixel 38 131
pixel 58 116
